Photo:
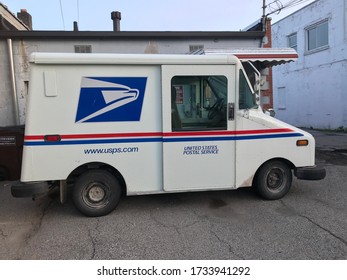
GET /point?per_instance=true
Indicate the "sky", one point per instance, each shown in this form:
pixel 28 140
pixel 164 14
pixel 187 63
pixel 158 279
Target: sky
pixel 147 15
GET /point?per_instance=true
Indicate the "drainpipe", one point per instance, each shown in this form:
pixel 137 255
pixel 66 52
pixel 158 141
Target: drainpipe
pixel 13 82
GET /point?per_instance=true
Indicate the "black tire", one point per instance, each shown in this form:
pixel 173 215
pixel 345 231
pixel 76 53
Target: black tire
pixel 274 179
pixel 96 193
pixel 3 174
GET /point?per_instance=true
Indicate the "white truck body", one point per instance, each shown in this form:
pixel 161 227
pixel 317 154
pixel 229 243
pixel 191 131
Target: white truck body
pixel 90 110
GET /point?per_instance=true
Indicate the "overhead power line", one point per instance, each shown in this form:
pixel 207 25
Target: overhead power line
pixel 62 13
pixel 277 6
pixel 78 11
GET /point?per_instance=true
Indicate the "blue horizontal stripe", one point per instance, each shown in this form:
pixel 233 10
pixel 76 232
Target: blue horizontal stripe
pixel 94 141
pixel 160 139
pixel 231 138
pixel 269 136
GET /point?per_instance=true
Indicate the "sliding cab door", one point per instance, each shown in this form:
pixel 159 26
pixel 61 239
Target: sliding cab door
pixel 198 126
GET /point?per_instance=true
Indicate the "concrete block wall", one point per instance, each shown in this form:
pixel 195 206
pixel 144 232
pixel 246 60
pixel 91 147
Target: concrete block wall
pixel 311 92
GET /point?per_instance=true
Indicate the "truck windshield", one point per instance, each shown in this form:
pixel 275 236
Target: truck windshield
pixel 246 96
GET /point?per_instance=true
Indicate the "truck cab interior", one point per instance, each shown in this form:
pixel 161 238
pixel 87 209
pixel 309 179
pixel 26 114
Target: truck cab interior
pixel 199 102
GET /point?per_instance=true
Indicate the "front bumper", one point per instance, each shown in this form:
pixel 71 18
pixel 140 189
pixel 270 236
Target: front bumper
pixel 310 173
pixel 30 189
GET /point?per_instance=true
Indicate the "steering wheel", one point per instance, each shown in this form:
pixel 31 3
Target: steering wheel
pixel 216 108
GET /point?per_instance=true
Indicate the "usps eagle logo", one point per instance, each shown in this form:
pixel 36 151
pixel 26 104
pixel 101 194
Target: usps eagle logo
pixel 110 99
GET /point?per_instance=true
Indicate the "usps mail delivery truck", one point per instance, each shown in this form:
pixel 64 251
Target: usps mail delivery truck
pixel 106 124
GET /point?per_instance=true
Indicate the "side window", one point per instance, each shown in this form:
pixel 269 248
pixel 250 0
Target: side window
pixel 246 96
pixel 317 36
pixel 293 41
pixel 199 103
pixel 83 48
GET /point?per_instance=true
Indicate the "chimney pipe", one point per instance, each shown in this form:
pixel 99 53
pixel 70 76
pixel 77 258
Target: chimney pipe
pixel 116 17
pixel 75 26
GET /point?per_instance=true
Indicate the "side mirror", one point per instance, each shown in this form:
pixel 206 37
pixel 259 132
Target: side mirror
pixel 270 112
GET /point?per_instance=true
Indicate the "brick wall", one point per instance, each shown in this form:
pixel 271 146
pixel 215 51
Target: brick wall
pixel 267 97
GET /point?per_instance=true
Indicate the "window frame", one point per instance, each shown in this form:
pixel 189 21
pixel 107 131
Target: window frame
pixel 85 48
pixel 246 94
pixel 312 27
pixel 294 46
pixel 195 48
pixel 282 98
pixel 201 114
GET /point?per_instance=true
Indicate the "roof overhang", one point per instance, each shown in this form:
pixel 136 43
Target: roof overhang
pixel 132 35
pixel 266 56
pixel 11 19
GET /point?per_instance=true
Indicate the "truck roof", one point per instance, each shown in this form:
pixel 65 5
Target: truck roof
pixel 129 59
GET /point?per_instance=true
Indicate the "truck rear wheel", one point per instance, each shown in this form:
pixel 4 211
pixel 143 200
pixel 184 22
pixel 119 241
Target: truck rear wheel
pixel 273 180
pixel 96 193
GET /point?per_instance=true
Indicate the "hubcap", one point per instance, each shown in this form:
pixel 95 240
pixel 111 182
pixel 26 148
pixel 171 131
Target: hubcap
pixel 96 193
pixel 275 178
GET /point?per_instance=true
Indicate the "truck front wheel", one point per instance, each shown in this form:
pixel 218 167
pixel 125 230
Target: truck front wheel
pixel 96 193
pixel 273 180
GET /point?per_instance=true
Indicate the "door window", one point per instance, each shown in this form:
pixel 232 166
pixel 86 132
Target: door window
pixel 199 103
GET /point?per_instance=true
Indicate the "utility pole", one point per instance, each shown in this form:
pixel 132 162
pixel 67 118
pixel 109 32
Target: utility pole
pixel 263 18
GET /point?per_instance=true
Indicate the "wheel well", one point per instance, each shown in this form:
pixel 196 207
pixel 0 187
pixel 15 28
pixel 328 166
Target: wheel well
pixel 96 165
pixel 3 173
pixel 287 162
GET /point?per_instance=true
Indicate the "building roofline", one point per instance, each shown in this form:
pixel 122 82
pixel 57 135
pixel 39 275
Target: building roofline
pixel 46 35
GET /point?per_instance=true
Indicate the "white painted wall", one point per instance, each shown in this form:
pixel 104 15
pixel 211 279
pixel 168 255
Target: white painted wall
pixel 23 48
pixel 6 107
pixel 312 92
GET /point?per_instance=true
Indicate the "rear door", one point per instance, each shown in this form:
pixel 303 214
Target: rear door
pixel 198 126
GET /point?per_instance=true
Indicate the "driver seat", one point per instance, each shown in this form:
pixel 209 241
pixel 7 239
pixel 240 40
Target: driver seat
pixel 175 117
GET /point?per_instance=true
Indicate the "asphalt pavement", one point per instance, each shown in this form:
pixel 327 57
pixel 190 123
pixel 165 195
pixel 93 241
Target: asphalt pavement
pixel 331 147
pixel 308 223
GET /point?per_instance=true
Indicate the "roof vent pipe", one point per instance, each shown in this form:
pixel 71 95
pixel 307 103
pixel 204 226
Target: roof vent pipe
pixel 116 17
pixel 75 26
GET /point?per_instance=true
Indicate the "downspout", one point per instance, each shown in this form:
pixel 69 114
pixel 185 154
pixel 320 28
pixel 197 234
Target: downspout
pixel 13 82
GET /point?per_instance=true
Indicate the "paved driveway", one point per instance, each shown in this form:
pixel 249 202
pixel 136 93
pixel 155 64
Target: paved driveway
pixel 309 223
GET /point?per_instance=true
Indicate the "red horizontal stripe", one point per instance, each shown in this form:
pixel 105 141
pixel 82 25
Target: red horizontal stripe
pixel 262 131
pixel 34 137
pixel 112 135
pixel 198 133
pixel 161 134
pixel 105 135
